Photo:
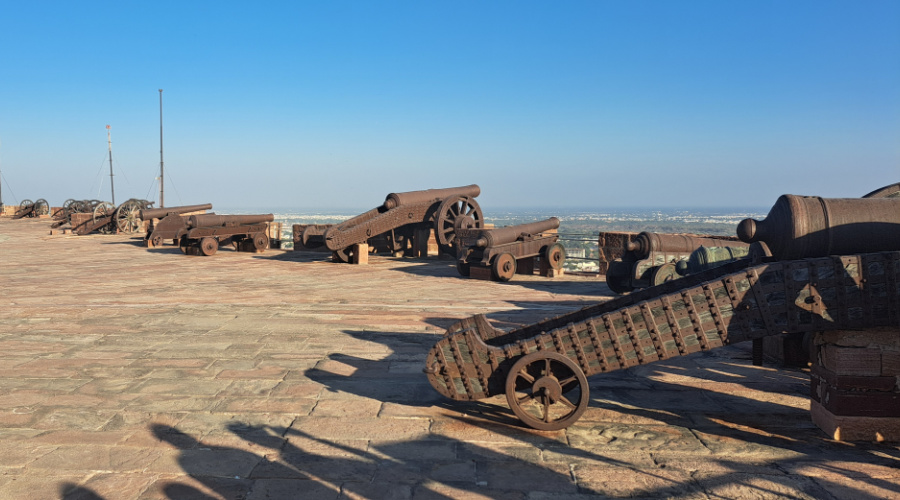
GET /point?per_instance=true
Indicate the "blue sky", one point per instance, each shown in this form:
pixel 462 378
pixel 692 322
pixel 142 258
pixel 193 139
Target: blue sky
pixel 336 104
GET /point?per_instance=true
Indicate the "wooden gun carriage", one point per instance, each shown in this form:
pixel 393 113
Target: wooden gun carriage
pixel 247 233
pixel 30 208
pixel 835 266
pixel 400 217
pixel 499 254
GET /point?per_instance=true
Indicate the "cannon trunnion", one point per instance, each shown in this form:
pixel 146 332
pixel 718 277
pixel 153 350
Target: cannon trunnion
pixel 499 254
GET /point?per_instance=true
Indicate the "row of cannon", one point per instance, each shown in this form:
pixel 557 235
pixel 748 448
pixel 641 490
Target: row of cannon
pixel 403 223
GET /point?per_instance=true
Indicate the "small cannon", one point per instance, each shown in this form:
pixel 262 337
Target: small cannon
pixel 649 258
pixel 401 215
pixel 171 225
pixel 248 233
pixel 499 253
pixel 30 208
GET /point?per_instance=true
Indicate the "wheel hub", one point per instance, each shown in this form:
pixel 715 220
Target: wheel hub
pixel 550 386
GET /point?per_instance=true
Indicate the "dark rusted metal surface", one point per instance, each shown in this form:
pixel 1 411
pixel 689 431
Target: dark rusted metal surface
pixel 171 223
pixel 402 214
pixel 505 250
pixel 159 213
pixel 650 259
pixel 810 226
pixel 205 233
pixel 737 302
pixel 611 246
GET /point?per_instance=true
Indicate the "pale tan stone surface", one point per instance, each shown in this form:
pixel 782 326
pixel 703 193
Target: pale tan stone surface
pixel 128 373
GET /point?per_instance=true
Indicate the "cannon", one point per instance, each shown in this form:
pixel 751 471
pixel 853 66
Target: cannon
pixel 811 226
pixel 247 233
pixel 499 254
pixel 542 368
pixel 171 225
pixel 401 215
pixel 649 259
pixel 30 208
pixel 705 258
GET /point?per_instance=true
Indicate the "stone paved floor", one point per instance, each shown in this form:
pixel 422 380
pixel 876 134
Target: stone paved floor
pixel 128 373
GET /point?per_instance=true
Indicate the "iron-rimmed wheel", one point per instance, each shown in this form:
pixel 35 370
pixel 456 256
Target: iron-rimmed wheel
pixel 127 220
pixel 504 267
pixel 209 246
pixel 455 212
pixel 185 245
pixel 344 255
pixel 156 241
pixel 890 191
pixel 464 268
pixel 554 255
pixel 260 242
pixel 104 209
pixel 617 277
pixel 663 273
pixel 547 390
pixel 41 207
pixel 26 203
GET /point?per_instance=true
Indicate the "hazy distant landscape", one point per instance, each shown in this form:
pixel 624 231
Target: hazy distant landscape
pixel 578 227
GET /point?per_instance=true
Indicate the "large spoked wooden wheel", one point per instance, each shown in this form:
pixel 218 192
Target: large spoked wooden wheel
pixel 547 390
pixel 127 220
pixel 104 209
pixel 41 207
pixel 455 212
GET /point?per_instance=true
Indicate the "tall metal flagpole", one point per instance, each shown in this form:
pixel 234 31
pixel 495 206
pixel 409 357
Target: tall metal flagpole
pixel 161 170
pixel 111 186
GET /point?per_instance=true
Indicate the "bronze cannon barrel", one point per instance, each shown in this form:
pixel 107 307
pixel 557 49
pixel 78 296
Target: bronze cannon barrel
pixel 221 220
pixel 809 226
pixel 395 200
pixel 645 243
pixel 503 235
pixel 159 213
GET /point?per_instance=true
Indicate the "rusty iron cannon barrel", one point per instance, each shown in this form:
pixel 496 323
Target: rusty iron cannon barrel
pixel 809 226
pixel 705 258
pixel 646 243
pixel 503 235
pixel 222 220
pixel 395 200
pixel 159 213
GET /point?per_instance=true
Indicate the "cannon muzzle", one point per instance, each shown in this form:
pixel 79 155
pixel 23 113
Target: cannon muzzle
pixel 503 235
pixel 799 227
pixel 223 220
pixel 395 200
pixel 159 213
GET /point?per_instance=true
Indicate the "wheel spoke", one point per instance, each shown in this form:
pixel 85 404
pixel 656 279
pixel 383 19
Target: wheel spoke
pixel 525 399
pixel 527 376
pixel 564 400
pixel 546 402
pixel 563 383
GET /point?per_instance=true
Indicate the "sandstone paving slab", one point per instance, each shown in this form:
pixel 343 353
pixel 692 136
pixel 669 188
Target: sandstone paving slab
pixel 310 376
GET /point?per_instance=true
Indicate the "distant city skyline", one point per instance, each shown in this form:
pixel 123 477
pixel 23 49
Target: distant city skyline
pixel 334 105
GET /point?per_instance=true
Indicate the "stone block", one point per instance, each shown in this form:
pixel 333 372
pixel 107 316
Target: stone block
pixel 862 361
pixel 360 254
pixel 855 428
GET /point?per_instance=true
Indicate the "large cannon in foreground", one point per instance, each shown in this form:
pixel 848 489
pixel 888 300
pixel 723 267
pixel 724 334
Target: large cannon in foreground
pixel 542 368
pixel 171 225
pixel 247 233
pixel 649 259
pixel 500 253
pixel 400 216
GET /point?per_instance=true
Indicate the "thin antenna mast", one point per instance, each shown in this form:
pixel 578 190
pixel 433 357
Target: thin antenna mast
pixel 161 170
pixel 111 186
